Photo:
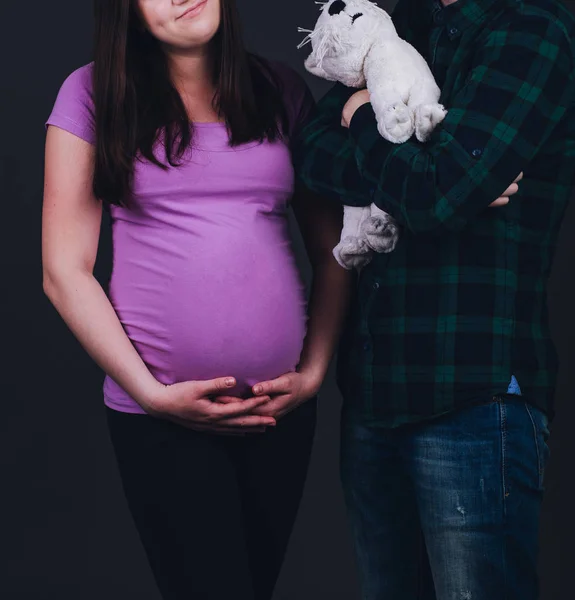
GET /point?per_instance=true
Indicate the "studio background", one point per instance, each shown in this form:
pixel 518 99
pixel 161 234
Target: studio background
pixel 65 532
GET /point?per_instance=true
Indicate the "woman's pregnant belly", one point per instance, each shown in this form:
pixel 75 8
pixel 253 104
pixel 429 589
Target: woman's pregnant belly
pixel 224 302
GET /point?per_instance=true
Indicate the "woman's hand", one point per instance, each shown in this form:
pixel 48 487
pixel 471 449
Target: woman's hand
pixel 190 404
pixel 286 392
pixel 512 189
pixel 356 101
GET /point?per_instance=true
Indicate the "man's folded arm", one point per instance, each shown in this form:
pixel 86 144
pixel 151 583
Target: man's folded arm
pixel 519 87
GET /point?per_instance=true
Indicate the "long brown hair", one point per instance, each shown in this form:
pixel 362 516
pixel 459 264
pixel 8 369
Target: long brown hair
pixel 135 100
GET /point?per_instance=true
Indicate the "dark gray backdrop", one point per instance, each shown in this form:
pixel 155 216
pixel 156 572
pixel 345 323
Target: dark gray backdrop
pixel 65 531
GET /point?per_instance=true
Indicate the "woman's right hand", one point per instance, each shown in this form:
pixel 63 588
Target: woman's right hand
pixel 190 404
pixel 512 189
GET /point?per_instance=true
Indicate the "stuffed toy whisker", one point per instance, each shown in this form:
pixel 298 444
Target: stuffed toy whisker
pixel 307 39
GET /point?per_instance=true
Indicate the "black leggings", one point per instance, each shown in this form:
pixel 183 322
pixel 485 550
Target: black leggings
pixel 214 513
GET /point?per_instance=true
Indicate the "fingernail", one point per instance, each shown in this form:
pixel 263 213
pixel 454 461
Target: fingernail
pixel 230 381
pixel 258 389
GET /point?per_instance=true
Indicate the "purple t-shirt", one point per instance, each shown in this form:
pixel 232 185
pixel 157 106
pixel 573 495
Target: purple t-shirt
pixel 204 278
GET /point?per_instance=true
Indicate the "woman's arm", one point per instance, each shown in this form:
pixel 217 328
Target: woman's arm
pixel 320 223
pixel 70 233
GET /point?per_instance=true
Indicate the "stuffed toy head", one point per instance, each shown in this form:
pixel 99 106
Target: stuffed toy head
pixel 342 38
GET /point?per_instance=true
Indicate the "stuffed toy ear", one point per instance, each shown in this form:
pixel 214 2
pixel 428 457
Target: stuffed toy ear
pixel 313 66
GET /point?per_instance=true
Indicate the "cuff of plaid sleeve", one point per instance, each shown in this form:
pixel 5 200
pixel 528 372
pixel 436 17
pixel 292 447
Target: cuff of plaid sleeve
pixel 364 118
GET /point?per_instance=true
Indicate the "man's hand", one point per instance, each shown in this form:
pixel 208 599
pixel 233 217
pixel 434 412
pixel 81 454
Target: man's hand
pixel 356 101
pixel 512 189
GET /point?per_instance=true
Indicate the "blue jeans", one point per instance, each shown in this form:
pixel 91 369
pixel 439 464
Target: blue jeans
pixel 449 509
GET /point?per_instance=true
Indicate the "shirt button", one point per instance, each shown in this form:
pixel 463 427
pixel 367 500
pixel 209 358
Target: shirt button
pixel 376 286
pixel 476 153
pixel 438 17
pixel 366 346
pixel 453 31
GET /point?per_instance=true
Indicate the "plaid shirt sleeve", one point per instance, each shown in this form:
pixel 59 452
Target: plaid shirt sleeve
pixel 519 86
pixel 324 153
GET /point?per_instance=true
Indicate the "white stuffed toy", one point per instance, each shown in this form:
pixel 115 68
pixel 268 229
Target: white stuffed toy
pixel 355 42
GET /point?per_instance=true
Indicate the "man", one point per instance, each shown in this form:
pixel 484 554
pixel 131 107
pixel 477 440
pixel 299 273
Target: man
pixel 446 366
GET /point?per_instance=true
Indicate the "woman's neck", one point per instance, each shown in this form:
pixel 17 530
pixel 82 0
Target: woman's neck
pixel 190 68
pixel 192 75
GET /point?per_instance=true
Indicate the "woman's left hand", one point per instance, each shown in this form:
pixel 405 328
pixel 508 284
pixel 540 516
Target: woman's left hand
pixel 286 392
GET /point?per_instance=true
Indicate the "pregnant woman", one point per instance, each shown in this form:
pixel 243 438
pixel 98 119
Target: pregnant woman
pixel 211 371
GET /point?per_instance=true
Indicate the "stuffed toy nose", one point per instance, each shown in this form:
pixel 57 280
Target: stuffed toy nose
pixel 337 7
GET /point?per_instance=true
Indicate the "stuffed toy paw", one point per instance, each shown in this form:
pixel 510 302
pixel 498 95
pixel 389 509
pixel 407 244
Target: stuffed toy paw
pixel 355 42
pixel 427 117
pixel 379 230
pixel 395 122
pixel 353 252
pixel 365 230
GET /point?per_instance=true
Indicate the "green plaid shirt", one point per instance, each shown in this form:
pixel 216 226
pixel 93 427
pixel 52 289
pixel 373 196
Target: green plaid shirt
pixel 459 307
